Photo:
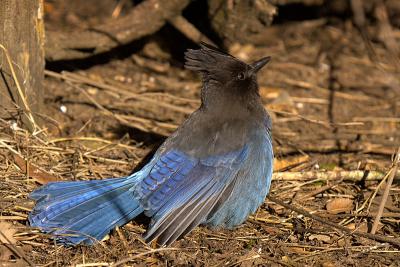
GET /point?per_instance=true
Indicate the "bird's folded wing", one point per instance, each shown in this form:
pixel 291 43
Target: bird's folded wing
pixel 181 191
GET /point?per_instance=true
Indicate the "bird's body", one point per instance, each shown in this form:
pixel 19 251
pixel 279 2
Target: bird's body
pixel 215 169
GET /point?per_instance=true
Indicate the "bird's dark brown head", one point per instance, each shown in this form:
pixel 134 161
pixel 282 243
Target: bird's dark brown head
pixel 224 71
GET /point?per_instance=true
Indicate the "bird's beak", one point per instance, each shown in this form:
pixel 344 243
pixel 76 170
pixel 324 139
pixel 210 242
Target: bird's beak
pixel 257 65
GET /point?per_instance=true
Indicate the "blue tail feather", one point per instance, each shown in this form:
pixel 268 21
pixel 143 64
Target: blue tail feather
pixel 84 211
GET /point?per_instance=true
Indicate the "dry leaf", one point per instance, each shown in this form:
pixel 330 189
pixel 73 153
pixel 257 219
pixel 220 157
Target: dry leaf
pixel 378 199
pixel 319 237
pixel 363 227
pixel 42 177
pixel 328 264
pixel 283 103
pixel 249 259
pixel 277 208
pixel 14 263
pixel 7 232
pixel 5 254
pixel 6 259
pixel 339 205
pixel 269 92
pixel 242 51
pixel 351 226
pixel 282 164
pixel 297 250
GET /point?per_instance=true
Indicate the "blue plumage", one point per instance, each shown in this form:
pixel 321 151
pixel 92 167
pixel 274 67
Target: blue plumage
pixel 215 169
pixel 84 211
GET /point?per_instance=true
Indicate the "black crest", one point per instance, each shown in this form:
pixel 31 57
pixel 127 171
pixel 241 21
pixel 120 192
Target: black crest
pixel 210 59
pixel 221 67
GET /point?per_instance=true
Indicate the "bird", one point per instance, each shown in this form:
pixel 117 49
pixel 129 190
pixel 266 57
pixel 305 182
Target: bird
pixel 214 170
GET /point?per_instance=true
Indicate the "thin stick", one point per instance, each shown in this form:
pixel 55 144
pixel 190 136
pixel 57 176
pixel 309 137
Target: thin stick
pixel 94 139
pixel 98 105
pixel 393 172
pixel 357 175
pixel 75 78
pixel 378 119
pixel 376 237
pixel 187 29
pixel 306 85
pixel 20 92
pixel 320 190
pixel 15 249
pixel 10 148
pixel 325 123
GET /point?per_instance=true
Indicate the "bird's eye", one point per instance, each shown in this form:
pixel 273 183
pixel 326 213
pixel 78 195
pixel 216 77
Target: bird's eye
pixel 241 76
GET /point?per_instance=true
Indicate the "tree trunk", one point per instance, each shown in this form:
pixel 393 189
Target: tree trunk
pixel 21 59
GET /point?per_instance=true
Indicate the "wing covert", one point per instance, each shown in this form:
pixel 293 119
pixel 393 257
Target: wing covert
pixel 180 191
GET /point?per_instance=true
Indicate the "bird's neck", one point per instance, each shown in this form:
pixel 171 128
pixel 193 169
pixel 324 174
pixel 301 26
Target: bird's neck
pixel 227 106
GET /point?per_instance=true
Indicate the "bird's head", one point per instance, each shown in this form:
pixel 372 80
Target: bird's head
pixel 224 72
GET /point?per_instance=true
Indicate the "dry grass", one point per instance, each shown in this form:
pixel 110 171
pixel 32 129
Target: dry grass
pixel 272 235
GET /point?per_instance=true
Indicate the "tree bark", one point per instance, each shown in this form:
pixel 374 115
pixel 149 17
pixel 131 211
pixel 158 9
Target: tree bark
pixel 144 19
pixel 238 21
pixel 21 59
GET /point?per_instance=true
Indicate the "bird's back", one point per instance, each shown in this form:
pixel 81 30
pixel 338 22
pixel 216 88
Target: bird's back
pixel 204 136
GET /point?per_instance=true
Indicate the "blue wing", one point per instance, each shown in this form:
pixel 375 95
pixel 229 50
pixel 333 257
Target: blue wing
pixel 181 191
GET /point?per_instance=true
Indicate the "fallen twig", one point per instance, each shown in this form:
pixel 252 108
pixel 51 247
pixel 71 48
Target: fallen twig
pixel 386 33
pixel 355 176
pixel 325 123
pixel 187 29
pixel 331 145
pixel 18 252
pixel 41 176
pixel 326 91
pixel 392 174
pixel 359 20
pixel 76 78
pixel 320 190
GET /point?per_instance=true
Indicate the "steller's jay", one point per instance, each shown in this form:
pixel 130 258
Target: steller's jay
pixel 214 170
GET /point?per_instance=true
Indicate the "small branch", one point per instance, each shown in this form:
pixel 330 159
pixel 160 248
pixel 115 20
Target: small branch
pixel 324 123
pixel 76 78
pixel 131 121
pixel 354 176
pixel 330 145
pixel 367 215
pixel 326 91
pixel 392 174
pixel 386 33
pixel 359 20
pixel 320 190
pixel 358 12
pixel 190 31
pixel 17 251
pixel 380 238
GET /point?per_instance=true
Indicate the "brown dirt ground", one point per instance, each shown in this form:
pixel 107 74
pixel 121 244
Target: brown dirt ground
pixel 322 74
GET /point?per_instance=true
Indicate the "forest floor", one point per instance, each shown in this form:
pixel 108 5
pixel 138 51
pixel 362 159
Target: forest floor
pixel 334 98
